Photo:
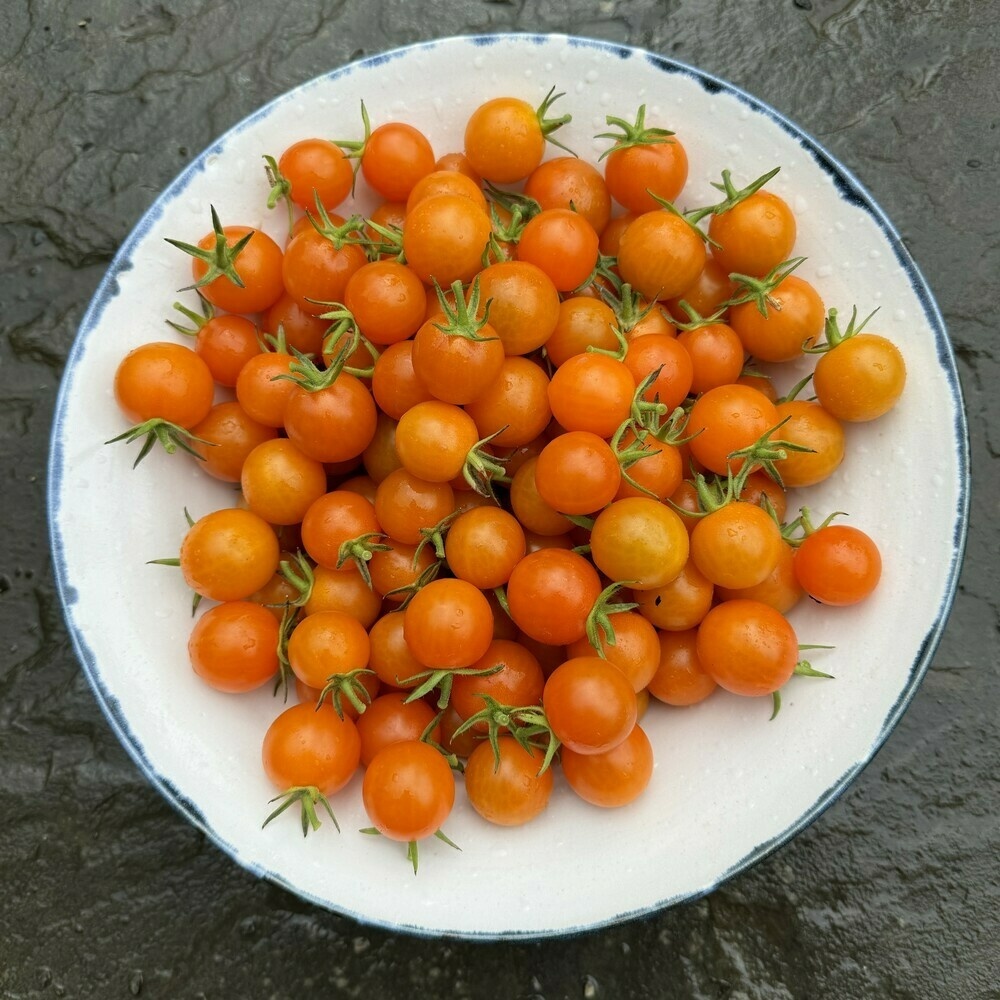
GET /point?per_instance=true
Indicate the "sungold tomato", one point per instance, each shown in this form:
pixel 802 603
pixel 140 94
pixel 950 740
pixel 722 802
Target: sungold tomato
pixel 408 790
pixel 726 419
pixel 589 704
pixel 747 647
pixel 483 546
pixel 449 623
pixel 303 747
pixel 229 554
pixel 509 792
pixel 615 777
pixel 524 304
pixel 639 541
pixel 228 435
pixel 327 643
pixel 390 718
pixel 571 183
pixel 634 651
pixel 280 483
pixel 444 239
pixel 234 646
pixel 737 545
pixel 504 141
pixel 680 679
pixel 660 255
pixel 165 381
pixel 812 427
pixel 316 168
pixel 259 265
pixel 550 593
pixel 861 378
pixel 838 564
pixel 754 236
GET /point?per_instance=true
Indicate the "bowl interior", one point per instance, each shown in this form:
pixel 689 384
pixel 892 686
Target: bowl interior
pixel 729 785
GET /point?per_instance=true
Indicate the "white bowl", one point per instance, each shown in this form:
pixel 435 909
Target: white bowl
pixel 729 786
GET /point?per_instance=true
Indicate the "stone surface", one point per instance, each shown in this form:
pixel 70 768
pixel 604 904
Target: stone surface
pixel 106 892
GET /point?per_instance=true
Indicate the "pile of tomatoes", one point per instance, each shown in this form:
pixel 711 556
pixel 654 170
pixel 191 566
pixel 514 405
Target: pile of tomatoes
pixel 507 468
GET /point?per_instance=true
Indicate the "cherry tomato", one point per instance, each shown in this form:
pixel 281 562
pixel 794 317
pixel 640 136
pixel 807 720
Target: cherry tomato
pixel 563 244
pixel 519 682
pixel 258 265
pixel 680 679
pixel 860 379
pixel 444 239
pixel 408 791
pixel 550 593
pixel 571 183
pixel 524 304
pixel 165 381
pixel 747 647
pixel 615 777
pixel 327 643
pixel 280 483
pixel 737 545
pixel 448 624
pixel 229 554
pixel 640 541
pixel 754 236
pixel 634 650
pixel 660 255
pixel 396 156
pixel 577 473
pixel 511 792
pixel 389 719
pixel 484 545
pixel 838 564
pixel 589 704
pixel 234 646
pixel 303 747
pixel 316 168
pixel 231 435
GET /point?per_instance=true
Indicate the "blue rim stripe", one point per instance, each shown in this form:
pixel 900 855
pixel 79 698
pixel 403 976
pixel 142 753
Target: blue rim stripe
pixel 850 189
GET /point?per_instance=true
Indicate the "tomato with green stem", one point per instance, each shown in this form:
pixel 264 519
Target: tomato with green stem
pixel 643 159
pixel 518 681
pixel 747 647
pixel 717 355
pixel 340 531
pixel 316 168
pixel 405 505
pixel 505 137
pixel 444 239
pixel 582 323
pixel 680 604
pixel 860 376
pixel 327 643
pixel 408 792
pixel 726 419
pixel 838 564
pixel 166 389
pixel 634 649
pixel 661 254
pixel 551 593
pixel 459 356
pixel 504 785
pixel 309 755
pixel 236 268
pixel 386 300
pixel 345 591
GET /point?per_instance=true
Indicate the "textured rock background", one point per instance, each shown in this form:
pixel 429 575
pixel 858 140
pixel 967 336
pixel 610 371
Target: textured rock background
pixel 105 892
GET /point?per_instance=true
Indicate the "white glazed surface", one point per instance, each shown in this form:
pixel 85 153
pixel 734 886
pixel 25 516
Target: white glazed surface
pixel 728 785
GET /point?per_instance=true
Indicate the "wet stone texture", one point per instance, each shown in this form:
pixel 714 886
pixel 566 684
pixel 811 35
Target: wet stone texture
pixel 106 892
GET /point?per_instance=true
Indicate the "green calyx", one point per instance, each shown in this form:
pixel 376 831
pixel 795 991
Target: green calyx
pixel 354 149
pixel 346 686
pixel 482 469
pixel 220 260
pixel 549 125
pixel 600 631
pixel 308 797
pixel 412 852
pixel 163 432
pixel 526 723
pixel 360 551
pixel 763 454
pixel 198 320
pixel 281 188
pixel 441 680
pixel 461 319
pixel 633 133
pixel 797 531
pixel 834 335
pixel 758 290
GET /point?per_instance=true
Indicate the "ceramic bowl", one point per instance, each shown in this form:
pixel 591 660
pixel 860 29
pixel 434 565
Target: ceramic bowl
pixel 729 786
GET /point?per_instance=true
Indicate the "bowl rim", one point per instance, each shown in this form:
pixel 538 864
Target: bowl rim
pixel 849 187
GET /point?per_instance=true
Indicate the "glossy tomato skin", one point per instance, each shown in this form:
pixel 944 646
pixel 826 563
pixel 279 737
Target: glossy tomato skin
pixel 755 235
pixel 395 158
pixel 632 172
pixel 408 791
pixel 589 704
pixel 737 545
pixel 639 541
pixel 838 564
pixel 503 140
pixel 571 183
pixel 303 747
pixel 231 435
pixel 795 314
pixel 747 647
pixel 229 554
pixel 512 792
pixel 615 777
pixel 444 239
pixel 259 266
pixel 660 255
pixel 166 381
pixel 861 379
pixel 327 643
pixel 234 646
pixel 727 419
pixel 524 304
pixel 316 168
pixel 550 594
pixel 635 650
pixel 448 624
pixel 810 426
pixel 390 718
pixel 680 679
